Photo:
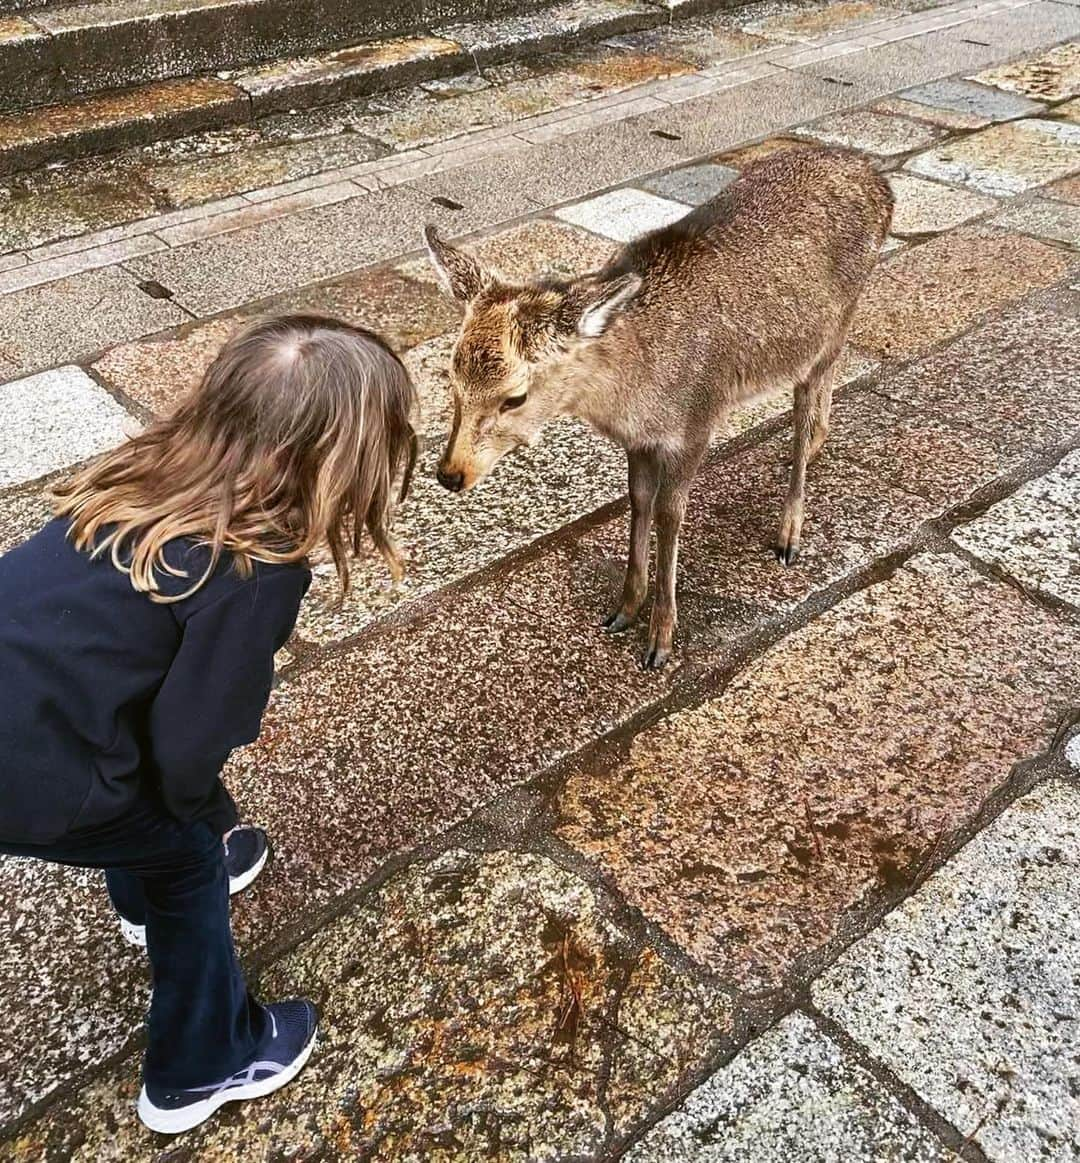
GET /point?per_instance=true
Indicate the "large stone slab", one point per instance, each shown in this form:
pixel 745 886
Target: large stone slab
pixel 882 134
pixel 866 76
pixel 933 291
pixel 1012 381
pixel 916 450
pixel 1035 534
pixel 1005 160
pixel 53 419
pixel 1067 190
pixel 227 270
pixel 945 118
pixel 1057 220
pixel 1051 77
pixel 73 990
pixel 623 214
pixel 558 171
pixel 794 1095
pixel 924 207
pixel 970 990
pixel 350 72
pixel 61 321
pixel 751 825
pixel 978 102
pixel 692 185
pixel 477 1006
pixel 728 575
pixel 759 107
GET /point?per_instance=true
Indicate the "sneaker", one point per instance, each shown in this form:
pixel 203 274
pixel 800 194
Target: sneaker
pixel 289 1040
pixel 246 850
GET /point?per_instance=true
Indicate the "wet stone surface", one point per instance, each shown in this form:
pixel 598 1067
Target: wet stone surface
pixel 1034 534
pixel 22 512
pixel 48 1043
pixel 980 102
pixel 1051 77
pixel 190 183
pixel 68 319
pixel 700 42
pixel 1005 160
pixel 924 207
pixel 969 991
pixel 471 1007
pixel 1067 190
pixel 729 578
pixel 1011 381
pixel 743 156
pixel 915 450
pixel 792 1094
pixel 927 294
pixel 374 750
pixel 875 133
pixel 1058 221
pixel 44 213
pixel 409 118
pixel 794 23
pixel 748 849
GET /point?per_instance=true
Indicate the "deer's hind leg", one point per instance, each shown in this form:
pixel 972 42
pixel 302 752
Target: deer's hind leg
pixel 813 402
pixel 820 409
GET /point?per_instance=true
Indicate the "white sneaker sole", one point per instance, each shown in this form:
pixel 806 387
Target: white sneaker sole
pixel 175 1122
pixel 136 934
pixel 133 934
pixel 241 882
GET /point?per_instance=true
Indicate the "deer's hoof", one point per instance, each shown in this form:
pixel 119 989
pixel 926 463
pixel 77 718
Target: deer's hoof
pixel 787 554
pixel 655 658
pixel 616 623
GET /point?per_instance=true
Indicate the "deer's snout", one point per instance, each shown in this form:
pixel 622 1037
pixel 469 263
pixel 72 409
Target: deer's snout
pixel 454 481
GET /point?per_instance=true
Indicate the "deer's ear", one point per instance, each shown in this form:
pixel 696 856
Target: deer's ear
pixel 601 306
pixel 460 275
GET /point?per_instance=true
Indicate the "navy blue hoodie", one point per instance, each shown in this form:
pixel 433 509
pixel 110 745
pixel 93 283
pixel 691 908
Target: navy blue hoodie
pixel 107 697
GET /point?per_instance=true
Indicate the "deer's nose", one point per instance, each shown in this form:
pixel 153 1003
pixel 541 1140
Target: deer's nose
pixel 450 480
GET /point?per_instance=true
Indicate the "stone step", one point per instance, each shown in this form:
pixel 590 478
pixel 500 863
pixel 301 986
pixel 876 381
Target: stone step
pixel 77 49
pixel 122 117
pixel 366 68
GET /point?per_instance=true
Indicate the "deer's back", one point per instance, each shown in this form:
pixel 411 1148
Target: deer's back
pixel 766 271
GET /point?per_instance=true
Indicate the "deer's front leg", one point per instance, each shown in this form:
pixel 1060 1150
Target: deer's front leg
pixel 644 472
pixel 670 508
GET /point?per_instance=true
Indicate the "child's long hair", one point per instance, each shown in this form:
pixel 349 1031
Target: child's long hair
pixel 293 440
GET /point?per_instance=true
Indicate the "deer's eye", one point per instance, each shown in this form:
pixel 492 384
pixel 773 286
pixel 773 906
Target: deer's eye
pixel 512 402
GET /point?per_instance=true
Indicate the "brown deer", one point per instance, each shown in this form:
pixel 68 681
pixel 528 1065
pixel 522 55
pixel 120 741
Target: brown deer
pixel 749 293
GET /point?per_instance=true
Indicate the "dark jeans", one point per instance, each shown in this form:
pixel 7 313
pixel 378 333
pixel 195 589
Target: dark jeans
pixel 203 1023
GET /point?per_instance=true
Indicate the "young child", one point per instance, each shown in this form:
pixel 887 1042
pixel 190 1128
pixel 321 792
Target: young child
pixel 137 639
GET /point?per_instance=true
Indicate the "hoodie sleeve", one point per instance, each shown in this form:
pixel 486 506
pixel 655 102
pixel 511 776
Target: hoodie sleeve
pixel 215 691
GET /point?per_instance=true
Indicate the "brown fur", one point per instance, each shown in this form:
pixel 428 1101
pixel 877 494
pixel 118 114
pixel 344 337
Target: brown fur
pixel 748 293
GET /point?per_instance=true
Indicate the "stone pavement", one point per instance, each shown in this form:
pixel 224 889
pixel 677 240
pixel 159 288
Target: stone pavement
pixel 811 892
